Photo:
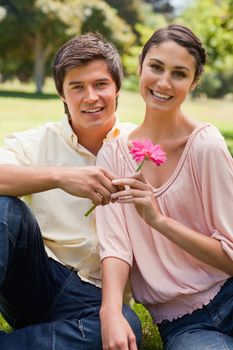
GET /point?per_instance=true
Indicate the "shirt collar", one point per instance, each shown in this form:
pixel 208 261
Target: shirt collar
pixel 72 139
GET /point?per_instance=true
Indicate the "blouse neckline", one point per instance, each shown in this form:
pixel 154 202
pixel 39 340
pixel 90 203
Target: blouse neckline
pixel 132 164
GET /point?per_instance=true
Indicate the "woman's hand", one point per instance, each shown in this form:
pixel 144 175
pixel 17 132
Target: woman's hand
pixel 140 193
pixel 116 332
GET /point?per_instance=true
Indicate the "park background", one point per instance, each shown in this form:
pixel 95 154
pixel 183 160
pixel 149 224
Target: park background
pixel 31 31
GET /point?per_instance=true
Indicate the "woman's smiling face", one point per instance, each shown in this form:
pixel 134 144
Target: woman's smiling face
pixel 167 75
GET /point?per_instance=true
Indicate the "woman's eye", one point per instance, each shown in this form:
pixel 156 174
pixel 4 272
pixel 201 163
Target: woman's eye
pixel 156 67
pixel 179 74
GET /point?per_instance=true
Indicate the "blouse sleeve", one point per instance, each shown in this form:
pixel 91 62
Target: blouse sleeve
pixel 214 165
pixel 110 219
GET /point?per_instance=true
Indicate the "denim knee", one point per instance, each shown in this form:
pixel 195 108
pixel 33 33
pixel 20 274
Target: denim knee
pixel 134 322
pixel 11 208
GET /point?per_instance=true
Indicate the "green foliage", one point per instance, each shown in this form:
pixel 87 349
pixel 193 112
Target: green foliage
pixel 151 339
pixel 4 325
pixel 42 26
pixel 22 54
pixel 149 23
pixel 99 16
pixel 131 83
pixel 212 21
pixel 129 10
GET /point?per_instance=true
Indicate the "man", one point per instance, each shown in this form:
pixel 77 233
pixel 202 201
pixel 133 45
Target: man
pixel 52 297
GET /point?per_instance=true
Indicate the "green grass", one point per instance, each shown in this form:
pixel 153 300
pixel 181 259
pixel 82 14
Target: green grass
pixel 4 326
pixel 22 109
pixel 151 339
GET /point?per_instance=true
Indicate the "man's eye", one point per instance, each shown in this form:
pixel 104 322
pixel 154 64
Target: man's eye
pixel 77 87
pixel 101 83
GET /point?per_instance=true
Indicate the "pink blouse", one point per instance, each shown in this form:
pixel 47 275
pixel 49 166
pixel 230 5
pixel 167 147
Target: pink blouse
pixel 167 280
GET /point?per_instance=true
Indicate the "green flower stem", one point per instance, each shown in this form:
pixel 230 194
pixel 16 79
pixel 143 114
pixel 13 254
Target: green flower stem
pixel 140 165
pixel 90 210
pixel 94 205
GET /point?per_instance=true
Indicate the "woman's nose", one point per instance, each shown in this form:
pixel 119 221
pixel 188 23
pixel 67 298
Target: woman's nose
pixel 164 81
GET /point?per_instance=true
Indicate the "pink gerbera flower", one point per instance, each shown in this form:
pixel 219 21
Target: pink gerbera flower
pixel 142 150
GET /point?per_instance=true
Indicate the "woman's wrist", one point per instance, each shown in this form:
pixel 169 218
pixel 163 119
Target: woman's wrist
pixel 106 310
pixel 159 222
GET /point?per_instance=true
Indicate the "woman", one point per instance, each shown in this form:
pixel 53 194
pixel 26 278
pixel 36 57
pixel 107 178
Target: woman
pixel 171 227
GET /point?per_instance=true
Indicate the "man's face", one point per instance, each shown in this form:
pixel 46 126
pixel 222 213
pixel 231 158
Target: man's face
pixel 90 94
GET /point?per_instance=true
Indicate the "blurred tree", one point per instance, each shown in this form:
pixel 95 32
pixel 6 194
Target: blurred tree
pixel 29 32
pixel 99 16
pixel 129 10
pixel 150 22
pixel 42 26
pixel 162 6
pixel 212 21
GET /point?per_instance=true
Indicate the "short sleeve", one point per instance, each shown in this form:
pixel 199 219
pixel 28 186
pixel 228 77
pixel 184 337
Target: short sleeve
pixel 214 165
pixel 13 152
pixel 110 219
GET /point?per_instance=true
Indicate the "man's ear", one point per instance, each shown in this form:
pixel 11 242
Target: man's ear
pixel 63 98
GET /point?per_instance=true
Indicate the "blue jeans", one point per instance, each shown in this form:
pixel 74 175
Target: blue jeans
pixel 47 304
pixel 209 328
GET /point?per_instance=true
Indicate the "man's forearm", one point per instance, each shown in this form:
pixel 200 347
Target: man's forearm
pixel 86 182
pixel 19 181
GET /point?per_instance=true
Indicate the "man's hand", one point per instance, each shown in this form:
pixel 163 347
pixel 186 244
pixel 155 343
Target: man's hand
pixel 88 182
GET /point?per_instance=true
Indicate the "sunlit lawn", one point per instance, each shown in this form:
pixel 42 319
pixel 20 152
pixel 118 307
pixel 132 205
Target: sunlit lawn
pixel 22 109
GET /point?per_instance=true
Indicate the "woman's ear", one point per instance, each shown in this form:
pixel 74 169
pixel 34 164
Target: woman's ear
pixel 139 70
pixel 193 86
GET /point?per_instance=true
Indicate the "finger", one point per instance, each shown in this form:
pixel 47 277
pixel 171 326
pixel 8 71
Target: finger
pixel 107 184
pixel 120 188
pixel 139 176
pixel 132 342
pixel 105 196
pixel 104 178
pixel 132 182
pixel 129 193
pixel 130 200
pixel 96 198
pixel 109 174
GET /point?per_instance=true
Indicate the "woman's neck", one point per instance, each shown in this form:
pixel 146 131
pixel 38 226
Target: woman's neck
pixel 163 127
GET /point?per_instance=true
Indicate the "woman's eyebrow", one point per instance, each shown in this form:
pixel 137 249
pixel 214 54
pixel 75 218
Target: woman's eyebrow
pixel 160 62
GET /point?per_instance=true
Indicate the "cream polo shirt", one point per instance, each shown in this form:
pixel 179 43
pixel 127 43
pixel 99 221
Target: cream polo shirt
pixel 69 236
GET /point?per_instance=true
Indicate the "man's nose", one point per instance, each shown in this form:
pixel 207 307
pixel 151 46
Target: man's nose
pixel 90 95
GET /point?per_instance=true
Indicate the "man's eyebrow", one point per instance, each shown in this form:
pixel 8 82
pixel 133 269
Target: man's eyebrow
pixel 103 79
pixel 75 82
pixel 176 67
